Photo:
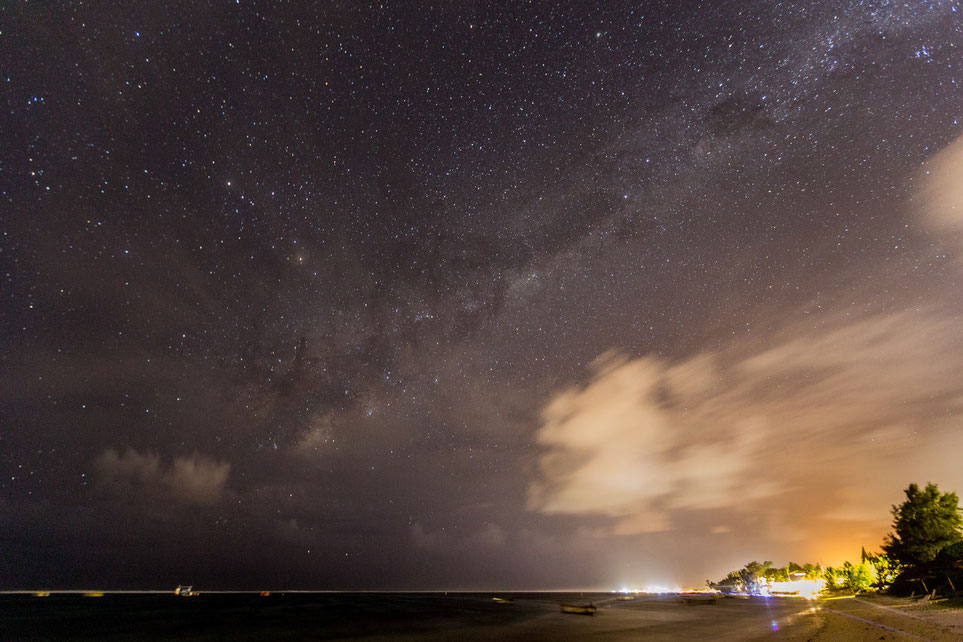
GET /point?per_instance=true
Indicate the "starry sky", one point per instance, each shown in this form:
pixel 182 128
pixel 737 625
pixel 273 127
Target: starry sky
pixel 463 294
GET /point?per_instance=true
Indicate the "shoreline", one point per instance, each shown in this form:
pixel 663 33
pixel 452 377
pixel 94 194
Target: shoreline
pixel 472 615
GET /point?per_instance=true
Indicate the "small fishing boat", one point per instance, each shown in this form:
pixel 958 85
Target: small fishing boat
pixel 579 609
pixel 185 591
pixel 502 600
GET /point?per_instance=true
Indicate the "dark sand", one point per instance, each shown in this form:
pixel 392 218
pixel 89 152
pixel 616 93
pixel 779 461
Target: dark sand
pixel 462 616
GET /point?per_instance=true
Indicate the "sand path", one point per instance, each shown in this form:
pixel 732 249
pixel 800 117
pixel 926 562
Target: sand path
pixel 864 619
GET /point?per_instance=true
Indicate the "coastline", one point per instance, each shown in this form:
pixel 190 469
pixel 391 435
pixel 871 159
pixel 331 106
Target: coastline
pixel 459 616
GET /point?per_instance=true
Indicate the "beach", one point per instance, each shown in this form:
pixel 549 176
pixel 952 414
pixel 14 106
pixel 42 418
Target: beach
pixel 466 616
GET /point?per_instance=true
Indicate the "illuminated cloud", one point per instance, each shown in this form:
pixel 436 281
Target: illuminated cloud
pixel 942 190
pixel 812 428
pixel 143 477
pixel 825 403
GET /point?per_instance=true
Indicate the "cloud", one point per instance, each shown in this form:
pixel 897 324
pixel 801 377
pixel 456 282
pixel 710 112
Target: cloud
pixel 292 532
pixel 822 405
pixel 143 477
pixel 813 427
pixel 735 113
pixel 428 541
pixel 942 191
pixel 490 536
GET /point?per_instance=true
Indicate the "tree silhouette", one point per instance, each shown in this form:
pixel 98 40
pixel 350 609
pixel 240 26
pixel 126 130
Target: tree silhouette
pixel 927 522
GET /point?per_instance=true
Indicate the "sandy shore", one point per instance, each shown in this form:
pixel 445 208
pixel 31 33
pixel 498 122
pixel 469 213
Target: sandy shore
pixel 888 618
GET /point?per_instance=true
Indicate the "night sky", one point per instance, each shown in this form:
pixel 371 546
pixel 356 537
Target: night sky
pixel 456 295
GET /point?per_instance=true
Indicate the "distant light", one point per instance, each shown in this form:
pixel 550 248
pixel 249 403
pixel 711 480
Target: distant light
pixel 658 588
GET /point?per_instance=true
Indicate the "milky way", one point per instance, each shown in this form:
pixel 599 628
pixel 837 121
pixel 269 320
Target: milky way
pixel 472 294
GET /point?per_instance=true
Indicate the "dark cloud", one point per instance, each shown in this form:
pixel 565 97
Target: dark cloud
pixel 736 113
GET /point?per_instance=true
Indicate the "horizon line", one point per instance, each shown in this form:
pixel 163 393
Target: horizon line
pixel 170 591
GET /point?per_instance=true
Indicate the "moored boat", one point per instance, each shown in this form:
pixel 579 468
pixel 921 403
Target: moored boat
pixel 579 609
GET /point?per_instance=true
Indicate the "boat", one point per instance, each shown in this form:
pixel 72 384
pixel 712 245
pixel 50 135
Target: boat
pixel 185 591
pixel 579 609
pixel 502 600
pixel 625 598
pixel 265 593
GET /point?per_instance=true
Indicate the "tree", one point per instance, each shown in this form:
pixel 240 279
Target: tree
pixel 753 573
pixel 835 578
pixel 927 522
pixel 859 577
pixel 778 574
pixel 884 569
pixel 952 555
pixel 812 571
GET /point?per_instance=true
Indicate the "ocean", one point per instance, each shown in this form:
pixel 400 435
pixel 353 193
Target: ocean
pixel 393 616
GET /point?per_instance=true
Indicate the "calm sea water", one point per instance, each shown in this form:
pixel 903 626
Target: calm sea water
pixel 280 615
